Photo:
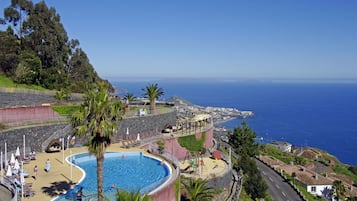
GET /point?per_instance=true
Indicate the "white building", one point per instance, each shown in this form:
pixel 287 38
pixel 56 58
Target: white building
pixel 283 146
pixel 321 190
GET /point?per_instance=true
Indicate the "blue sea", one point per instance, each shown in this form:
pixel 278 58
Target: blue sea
pixel 321 115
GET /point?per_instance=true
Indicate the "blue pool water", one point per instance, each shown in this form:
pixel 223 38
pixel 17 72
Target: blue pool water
pixel 127 171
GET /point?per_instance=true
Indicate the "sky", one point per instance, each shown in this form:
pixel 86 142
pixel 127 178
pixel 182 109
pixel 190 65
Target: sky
pixel 223 39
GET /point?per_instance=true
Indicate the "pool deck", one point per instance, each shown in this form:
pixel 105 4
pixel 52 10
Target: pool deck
pixel 49 185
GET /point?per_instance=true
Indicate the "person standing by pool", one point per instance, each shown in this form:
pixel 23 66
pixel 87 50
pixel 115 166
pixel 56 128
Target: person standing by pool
pixel 35 170
pixel 48 165
pixel 80 194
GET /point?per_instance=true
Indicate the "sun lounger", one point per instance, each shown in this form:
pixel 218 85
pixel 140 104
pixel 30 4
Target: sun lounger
pixel 29 192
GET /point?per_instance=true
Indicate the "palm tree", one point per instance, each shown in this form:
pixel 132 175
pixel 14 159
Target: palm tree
pixel 152 91
pixel 197 190
pixel 131 196
pixel 338 189
pixel 129 97
pixel 98 117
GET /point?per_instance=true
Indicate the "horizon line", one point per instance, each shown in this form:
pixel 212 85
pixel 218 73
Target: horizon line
pixel 231 79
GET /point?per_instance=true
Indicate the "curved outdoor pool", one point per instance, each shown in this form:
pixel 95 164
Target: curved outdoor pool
pixel 130 171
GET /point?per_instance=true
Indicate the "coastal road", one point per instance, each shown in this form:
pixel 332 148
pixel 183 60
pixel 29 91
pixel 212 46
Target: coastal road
pixel 279 189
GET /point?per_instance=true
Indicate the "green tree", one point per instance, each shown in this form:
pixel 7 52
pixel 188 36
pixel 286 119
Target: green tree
pixel 16 14
pixel 35 49
pixel 152 92
pixel 293 175
pixel 98 118
pixel 129 97
pixel 81 73
pixel 28 69
pixel 9 51
pixel 197 190
pixel 45 34
pixel 62 94
pixel 243 140
pixel 122 195
pixel 255 186
pixel 338 189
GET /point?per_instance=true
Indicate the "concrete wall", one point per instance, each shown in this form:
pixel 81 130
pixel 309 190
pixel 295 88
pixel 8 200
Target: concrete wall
pixel 145 124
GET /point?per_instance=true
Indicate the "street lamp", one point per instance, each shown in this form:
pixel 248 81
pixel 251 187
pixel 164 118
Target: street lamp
pixel 62 141
pixel 72 141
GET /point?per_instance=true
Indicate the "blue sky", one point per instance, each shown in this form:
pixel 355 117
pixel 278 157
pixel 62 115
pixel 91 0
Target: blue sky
pixel 251 39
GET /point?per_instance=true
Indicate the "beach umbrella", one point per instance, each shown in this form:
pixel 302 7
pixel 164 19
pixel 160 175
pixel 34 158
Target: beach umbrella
pixel 16 165
pixel 17 153
pixel 9 171
pixel 138 137
pixel 12 159
pixel 127 133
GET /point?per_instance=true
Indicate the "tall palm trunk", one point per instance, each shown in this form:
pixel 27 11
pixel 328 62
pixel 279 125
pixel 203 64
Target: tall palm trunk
pixel 152 106
pixel 100 160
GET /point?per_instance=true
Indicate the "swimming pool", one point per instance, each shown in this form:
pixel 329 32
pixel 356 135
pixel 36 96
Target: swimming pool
pixel 130 171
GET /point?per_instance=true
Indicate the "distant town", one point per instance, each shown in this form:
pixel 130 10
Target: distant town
pixel 219 114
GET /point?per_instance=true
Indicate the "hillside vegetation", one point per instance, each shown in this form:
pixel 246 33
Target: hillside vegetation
pixel 36 50
pixel 7 82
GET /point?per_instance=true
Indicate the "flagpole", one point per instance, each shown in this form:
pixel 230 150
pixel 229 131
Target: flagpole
pixel 1 166
pixel 22 179
pixel 6 162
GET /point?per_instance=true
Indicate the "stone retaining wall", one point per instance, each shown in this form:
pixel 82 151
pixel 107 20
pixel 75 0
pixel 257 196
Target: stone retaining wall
pixel 35 136
pixel 38 137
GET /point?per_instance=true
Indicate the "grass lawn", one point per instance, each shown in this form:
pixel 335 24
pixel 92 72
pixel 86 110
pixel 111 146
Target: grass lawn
pixel 191 143
pixel 7 82
pixel 66 110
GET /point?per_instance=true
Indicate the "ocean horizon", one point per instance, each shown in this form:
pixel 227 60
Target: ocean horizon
pixel 320 115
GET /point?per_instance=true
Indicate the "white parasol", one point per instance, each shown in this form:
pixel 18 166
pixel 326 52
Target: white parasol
pixel 9 171
pixel 17 153
pixel 127 131
pixel 12 159
pixel 138 137
pixel 16 165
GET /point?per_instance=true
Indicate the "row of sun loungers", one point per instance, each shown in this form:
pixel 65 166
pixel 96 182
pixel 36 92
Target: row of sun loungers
pixel 27 187
pixel 131 140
